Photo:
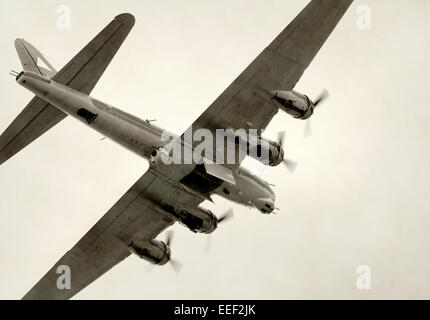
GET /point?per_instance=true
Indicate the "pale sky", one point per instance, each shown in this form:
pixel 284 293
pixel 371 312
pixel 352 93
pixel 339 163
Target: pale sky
pixel 358 197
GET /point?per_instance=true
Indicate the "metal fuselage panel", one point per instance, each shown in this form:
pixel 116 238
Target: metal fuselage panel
pixel 137 135
pixel 249 190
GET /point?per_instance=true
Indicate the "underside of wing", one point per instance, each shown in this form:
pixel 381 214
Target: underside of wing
pixel 246 103
pixel 81 73
pixel 135 220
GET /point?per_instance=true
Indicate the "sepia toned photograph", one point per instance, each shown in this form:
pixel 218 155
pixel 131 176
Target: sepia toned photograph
pixel 192 151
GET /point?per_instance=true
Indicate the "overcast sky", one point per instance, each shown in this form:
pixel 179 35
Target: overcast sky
pixel 358 197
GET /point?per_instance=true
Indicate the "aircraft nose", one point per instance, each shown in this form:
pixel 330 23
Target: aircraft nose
pixel 264 205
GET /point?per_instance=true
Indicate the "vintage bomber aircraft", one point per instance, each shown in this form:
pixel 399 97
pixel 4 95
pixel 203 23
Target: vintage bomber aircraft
pixel 165 194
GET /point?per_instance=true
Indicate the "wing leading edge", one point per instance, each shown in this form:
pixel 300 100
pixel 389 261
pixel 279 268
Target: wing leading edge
pixel 242 105
pixel 246 102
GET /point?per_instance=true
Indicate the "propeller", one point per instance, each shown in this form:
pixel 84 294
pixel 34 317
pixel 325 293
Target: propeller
pixel 289 163
pixel 169 237
pixel 223 218
pixel 323 96
pixel 307 132
pixel 226 216
pixel 281 138
pixel 308 127
pixel 175 264
pixel 208 244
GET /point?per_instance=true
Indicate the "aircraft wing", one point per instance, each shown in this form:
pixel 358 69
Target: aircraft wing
pixel 84 71
pixel 246 103
pixel 133 218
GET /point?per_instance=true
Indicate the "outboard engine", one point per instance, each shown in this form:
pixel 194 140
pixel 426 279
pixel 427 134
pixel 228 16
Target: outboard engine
pixel 153 251
pixel 295 104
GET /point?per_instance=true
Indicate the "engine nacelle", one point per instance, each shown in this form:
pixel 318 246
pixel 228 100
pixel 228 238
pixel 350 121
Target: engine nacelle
pixel 276 153
pixel 295 104
pixel 197 219
pixel 154 251
pixel 261 149
pixel 266 151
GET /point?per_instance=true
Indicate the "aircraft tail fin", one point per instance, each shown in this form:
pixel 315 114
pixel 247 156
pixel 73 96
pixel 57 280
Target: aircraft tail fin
pixel 32 60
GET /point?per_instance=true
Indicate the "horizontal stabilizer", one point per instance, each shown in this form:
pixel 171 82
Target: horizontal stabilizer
pixel 37 118
pixel 84 71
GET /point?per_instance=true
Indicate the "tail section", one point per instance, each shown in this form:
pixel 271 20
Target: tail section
pixel 32 60
pixel 81 73
pixel 38 116
pixel 84 71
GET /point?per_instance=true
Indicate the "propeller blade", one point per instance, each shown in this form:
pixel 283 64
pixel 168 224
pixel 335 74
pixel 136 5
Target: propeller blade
pixel 223 218
pixel 323 96
pixel 149 267
pixel 308 129
pixel 169 237
pixel 176 265
pixel 290 164
pixel 281 138
pixel 226 216
pixel 208 243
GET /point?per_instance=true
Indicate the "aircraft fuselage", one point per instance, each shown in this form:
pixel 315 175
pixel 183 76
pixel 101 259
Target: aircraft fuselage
pixel 139 136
